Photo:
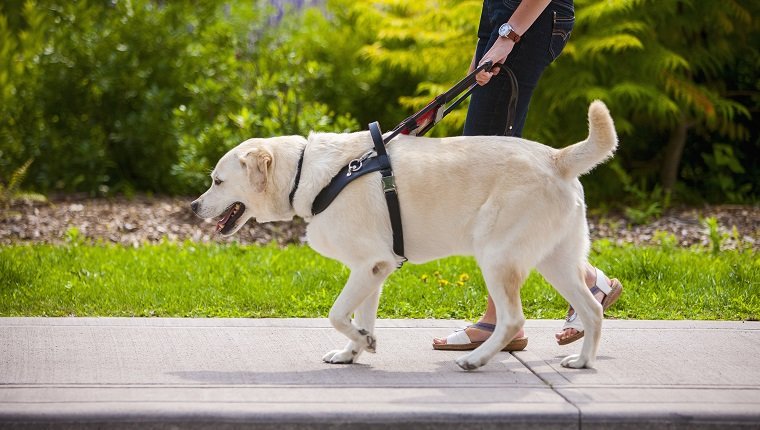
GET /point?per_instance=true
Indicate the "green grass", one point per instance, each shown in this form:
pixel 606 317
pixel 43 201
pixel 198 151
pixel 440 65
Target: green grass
pixel 204 280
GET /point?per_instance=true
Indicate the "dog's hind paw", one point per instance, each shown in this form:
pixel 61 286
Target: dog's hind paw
pixel 575 361
pixel 467 364
pixel 340 356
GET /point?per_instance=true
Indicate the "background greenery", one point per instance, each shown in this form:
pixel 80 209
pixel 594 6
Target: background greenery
pixel 144 95
pixel 203 280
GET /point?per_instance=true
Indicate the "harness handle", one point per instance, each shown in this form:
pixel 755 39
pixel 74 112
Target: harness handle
pixel 422 121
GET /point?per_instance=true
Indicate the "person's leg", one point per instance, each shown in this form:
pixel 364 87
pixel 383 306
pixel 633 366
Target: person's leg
pixel 488 109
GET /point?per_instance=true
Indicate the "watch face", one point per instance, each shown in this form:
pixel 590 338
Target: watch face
pixel 504 29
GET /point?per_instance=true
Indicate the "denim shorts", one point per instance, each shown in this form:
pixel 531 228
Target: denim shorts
pixel 538 47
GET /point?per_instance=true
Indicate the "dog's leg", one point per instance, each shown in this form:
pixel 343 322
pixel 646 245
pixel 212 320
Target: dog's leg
pixel 361 294
pixel 366 315
pixel 503 282
pixel 564 269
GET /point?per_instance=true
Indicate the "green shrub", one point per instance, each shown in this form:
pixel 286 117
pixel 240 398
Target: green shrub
pixel 98 92
pixel 241 93
pixel 144 95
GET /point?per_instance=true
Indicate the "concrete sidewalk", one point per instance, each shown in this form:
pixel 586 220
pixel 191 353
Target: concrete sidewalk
pixel 268 373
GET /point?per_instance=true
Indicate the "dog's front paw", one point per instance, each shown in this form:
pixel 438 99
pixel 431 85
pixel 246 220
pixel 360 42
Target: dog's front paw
pixel 340 356
pixel 575 361
pixel 467 363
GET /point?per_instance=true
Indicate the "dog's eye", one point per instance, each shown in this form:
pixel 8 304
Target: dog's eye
pixel 217 181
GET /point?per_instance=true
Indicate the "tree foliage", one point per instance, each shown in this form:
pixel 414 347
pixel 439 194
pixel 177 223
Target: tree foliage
pixel 432 41
pixel 145 95
pixel 666 70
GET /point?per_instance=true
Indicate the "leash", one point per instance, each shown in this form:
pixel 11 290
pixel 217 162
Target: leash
pixel 422 121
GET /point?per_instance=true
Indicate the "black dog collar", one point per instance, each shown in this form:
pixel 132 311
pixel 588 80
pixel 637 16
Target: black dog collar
pixel 298 178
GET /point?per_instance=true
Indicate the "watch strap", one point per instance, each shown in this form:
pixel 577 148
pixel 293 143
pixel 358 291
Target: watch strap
pixel 513 36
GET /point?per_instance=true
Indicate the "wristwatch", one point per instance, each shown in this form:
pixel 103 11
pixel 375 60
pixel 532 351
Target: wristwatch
pixel 507 31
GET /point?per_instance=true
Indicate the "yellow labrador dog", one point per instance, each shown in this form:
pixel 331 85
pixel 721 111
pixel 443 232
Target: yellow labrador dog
pixel 511 203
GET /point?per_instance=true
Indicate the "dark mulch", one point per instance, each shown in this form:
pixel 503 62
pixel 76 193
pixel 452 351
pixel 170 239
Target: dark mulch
pixel 152 219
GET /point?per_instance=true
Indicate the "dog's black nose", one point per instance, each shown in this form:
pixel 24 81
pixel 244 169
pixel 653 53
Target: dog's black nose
pixel 194 206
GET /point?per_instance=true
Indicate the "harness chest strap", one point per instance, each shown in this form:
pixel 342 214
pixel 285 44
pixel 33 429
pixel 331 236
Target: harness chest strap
pixel 344 177
pixel 356 169
pixel 389 189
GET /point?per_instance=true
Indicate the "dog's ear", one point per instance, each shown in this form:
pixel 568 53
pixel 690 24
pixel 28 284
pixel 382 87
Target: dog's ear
pixel 258 163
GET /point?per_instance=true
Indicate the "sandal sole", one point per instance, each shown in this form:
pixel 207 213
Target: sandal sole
pixel 518 344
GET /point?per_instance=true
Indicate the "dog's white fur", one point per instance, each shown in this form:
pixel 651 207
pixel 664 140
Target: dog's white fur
pixel 511 203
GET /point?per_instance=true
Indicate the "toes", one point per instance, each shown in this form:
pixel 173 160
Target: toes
pixel 575 361
pixel 570 361
pixel 466 363
pixel 339 356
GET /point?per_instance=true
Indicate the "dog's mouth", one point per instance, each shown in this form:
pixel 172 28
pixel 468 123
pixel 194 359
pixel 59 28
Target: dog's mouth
pixel 229 217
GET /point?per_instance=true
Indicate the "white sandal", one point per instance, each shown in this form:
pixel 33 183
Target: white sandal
pixel 612 288
pixel 460 341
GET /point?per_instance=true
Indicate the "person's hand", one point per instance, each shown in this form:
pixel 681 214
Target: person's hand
pixel 497 54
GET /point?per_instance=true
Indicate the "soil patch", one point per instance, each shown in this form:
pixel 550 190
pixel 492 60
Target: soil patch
pixel 142 220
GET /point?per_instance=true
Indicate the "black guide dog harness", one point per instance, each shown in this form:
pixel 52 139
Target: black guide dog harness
pixel 417 124
pixel 356 169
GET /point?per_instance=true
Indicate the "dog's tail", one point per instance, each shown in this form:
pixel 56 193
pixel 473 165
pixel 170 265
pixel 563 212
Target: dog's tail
pixel 580 158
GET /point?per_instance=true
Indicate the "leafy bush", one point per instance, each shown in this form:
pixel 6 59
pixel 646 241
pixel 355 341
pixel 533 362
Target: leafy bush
pixel 143 95
pixel 239 93
pixel 98 92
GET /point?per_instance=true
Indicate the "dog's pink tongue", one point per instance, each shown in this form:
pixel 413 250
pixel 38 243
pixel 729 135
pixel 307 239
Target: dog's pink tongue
pixel 223 221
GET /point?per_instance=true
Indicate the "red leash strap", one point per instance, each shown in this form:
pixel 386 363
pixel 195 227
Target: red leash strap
pixel 422 121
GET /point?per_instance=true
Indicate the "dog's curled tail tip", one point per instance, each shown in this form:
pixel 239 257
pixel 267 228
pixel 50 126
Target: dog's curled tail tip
pixel 601 127
pixel 580 158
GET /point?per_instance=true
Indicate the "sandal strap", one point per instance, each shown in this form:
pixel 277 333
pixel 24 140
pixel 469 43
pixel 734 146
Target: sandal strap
pixel 459 337
pixel 484 326
pixel 602 283
pixel 572 321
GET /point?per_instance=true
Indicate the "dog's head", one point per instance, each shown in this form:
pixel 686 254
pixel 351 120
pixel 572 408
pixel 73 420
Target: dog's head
pixel 252 180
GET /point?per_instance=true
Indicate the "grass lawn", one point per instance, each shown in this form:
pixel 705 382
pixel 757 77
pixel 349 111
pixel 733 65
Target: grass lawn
pixel 211 280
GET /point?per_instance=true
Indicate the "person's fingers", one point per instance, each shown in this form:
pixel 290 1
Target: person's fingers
pixel 483 77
